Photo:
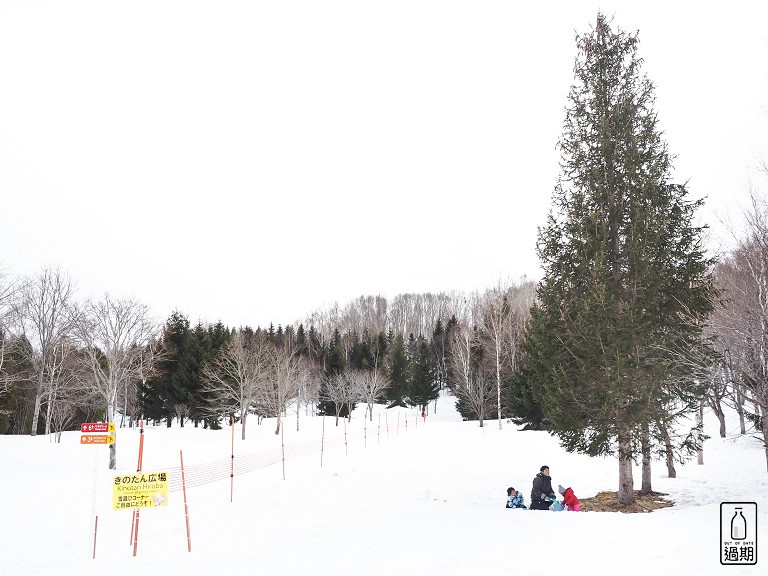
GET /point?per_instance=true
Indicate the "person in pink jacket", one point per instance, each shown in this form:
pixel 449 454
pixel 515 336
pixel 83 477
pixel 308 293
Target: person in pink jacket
pixel 570 501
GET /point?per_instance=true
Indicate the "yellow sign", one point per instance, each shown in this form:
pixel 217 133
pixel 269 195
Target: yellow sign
pixel 141 490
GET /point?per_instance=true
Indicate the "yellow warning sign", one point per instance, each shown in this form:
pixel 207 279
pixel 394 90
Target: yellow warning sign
pixel 141 490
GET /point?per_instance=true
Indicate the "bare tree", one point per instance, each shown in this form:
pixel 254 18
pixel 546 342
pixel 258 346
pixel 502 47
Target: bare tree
pixel 308 387
pixel 114 335
pixel 340 389
pixel 472 384
pixel 371 385
pixel 45 315
pixel 73 394
pixel 282 381
pixel 743 317
pixel 9 290
pixel 233 378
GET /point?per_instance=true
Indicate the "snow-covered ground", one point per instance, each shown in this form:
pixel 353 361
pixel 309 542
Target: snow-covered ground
pixel 423 499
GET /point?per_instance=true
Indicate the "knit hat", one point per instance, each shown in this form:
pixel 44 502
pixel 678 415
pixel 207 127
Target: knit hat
pixel 560 489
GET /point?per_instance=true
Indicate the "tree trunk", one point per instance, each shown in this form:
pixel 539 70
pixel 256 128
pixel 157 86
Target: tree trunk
pixel 671 472
pixel 765 442
pixel 49 408
pixel 626 482
pixel 740 410
pixel 700 435
pixel 645 442
pixel 717 408
pixel 243 416
pixel 113 453
pixel 498 381
pixel 36 413
pixel 762 423
pixel 277 428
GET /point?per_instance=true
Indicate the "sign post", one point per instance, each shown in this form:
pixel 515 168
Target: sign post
pixel 93 433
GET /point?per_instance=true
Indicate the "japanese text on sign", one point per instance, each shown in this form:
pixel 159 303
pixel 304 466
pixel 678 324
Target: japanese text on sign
pixel 97 427
pixel 97 439
pixel 142 490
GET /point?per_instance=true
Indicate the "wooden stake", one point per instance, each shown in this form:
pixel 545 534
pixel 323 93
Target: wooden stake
pixel 95 528
pixel 282 443
pixel 186 509
pixel 322 442
pixel 135 526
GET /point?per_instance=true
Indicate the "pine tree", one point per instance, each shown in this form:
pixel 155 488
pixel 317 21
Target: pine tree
pixel 626 284
pixel 423 386
pixel 398 372
pixel 172 387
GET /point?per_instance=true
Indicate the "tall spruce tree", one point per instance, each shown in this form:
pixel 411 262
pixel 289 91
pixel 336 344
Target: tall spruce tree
pixel 398 372
pixel 173 384
pixel 423 386
pixel 626 284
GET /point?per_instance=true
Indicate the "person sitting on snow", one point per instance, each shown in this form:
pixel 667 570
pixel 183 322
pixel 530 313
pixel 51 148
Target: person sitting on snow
pixel 570 501
pixel 541 493
pixel 515 499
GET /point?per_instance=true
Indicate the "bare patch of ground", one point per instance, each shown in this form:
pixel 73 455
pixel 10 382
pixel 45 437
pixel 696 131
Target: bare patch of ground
pixel 609 502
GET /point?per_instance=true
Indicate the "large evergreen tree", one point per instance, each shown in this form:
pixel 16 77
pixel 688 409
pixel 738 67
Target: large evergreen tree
pixel 423 386
pixel 626 285
pixel 171 391
pixel 398 372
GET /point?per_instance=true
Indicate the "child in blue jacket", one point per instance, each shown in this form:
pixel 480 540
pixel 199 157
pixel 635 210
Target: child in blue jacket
pixel 515 499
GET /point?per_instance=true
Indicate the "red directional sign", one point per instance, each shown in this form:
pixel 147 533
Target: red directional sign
pixel 97 427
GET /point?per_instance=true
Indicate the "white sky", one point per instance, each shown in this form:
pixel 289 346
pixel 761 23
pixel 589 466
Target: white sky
pixel 253 161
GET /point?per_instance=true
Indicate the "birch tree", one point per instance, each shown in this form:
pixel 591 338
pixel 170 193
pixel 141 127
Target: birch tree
pixel 472 385
pixel 340 389
pixel 282 381
pixel 46 318
pixel 743 316
pixel 232 379
pixel 8 302
pixel 115 336
pixel 374 382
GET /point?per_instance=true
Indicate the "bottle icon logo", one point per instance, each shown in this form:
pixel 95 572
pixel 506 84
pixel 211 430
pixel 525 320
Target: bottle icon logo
pixel 738 533
pixel 738 525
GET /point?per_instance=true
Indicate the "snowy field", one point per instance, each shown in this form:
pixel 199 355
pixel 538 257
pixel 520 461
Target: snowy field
pixel 417 500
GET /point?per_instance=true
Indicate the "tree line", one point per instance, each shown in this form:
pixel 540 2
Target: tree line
pixel 64 361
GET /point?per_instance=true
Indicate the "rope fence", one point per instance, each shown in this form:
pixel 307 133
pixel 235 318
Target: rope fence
pixel 238 464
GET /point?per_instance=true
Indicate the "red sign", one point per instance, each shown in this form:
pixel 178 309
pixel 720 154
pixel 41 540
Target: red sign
pixel 97 439
pixel 97 427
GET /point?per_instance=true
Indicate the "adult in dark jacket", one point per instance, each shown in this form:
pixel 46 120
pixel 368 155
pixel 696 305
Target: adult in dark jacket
pixel 541 493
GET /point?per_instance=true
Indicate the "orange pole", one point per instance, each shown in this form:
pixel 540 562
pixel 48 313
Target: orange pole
pixel 186 509
pixel 138 469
